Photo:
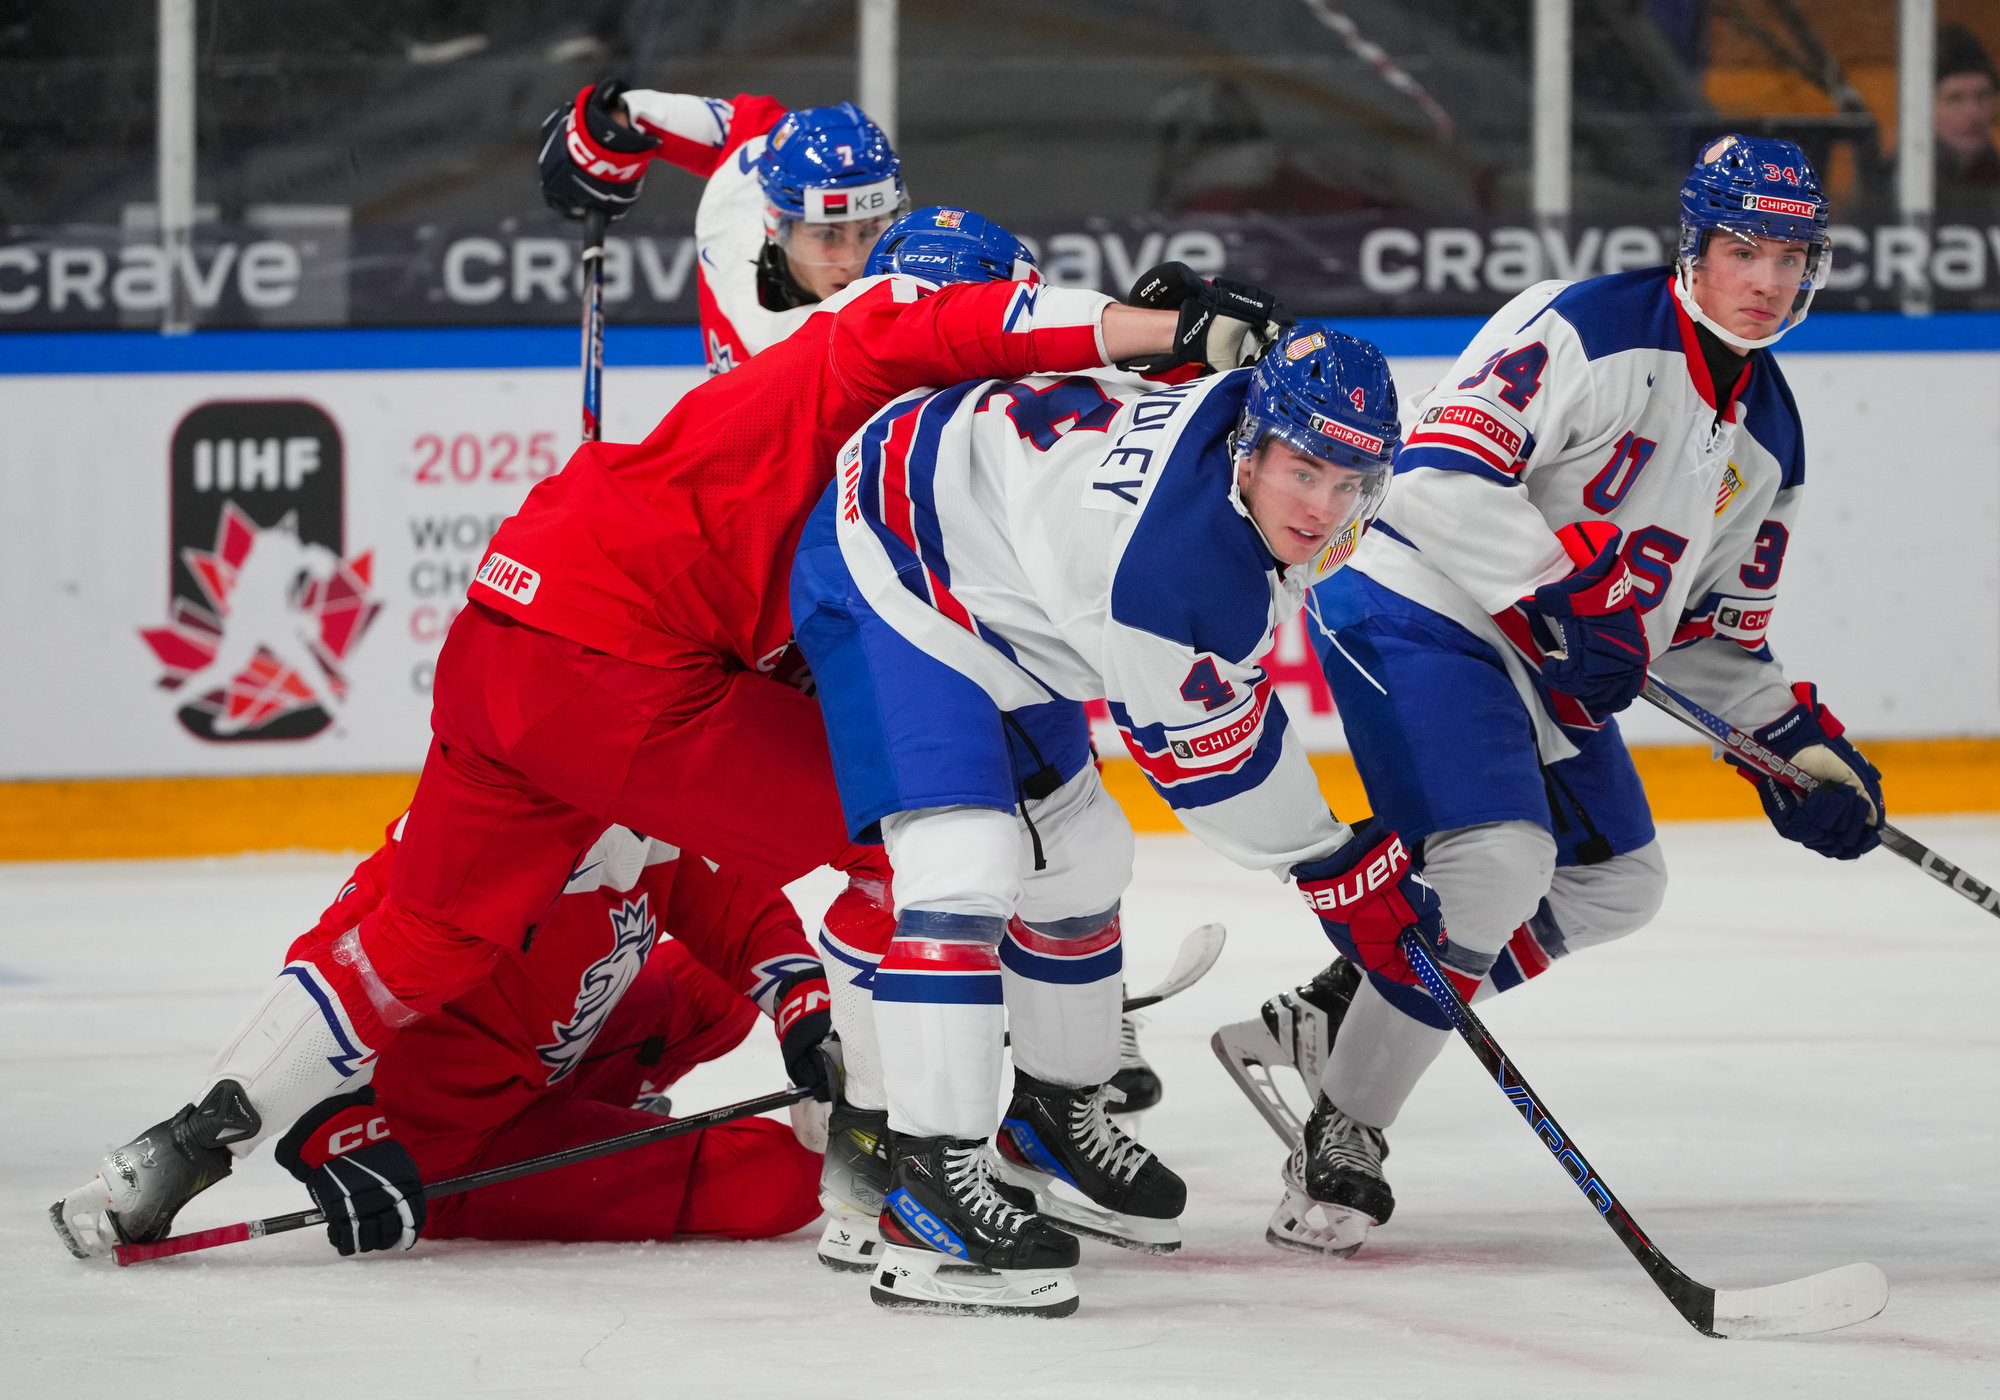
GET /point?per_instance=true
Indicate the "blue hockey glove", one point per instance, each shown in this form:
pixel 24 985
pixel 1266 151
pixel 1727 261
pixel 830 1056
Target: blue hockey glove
pixel 1839 817
pixel 1587 626
pixel 362 1179
pixel 1366 894
pixel 588 161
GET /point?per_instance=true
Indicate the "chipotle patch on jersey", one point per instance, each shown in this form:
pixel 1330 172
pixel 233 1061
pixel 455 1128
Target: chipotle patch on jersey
pixel 263 607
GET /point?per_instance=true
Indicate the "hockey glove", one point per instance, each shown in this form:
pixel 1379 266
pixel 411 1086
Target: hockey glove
pixel 1839 817
pixel 1224 325
pixel 360 1177
pixel 1587 626
pixel 1366 895
pixel 589 162
pixel 804 1015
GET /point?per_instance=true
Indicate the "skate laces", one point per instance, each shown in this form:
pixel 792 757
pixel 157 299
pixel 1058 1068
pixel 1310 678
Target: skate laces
pixel 968 1171
pixel 1346 1143
pixel 1102 1140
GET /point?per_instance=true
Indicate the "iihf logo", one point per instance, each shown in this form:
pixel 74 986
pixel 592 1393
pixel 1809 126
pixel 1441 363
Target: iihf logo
pixel 263 608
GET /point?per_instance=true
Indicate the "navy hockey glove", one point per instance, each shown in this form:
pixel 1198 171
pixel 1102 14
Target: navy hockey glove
pixel 1366 895
pixel 360 1177
pixel 1587 626
pixel 1224 325
pixel 588 161
pixel 1839 818
pixel 804 1015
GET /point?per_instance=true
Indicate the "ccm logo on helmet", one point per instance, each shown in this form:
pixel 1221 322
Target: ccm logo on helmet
pixel 1764 203
pixel 353 1136
pixel 1340 432
pixel 1352 889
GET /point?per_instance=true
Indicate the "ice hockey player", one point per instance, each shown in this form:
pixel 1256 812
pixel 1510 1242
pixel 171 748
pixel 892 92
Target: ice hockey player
pixel 649 964
pixel 794 200
pixel 1607 478
pixel 989 558
pixel 623 659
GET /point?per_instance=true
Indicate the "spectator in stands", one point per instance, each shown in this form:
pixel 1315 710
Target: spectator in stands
pixel 1968 166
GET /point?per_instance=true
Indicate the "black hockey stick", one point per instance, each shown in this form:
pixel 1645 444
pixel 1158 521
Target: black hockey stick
pixel 593 325
pixel 303 1219
pixel 1755 755
pixel 1819 1303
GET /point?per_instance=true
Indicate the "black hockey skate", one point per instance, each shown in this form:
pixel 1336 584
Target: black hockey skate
pixel 1089 1176
pixel 140 1187
pixel 1136 1079
pixel 1295 1028
pixel 1334 1187
pixel 942 1206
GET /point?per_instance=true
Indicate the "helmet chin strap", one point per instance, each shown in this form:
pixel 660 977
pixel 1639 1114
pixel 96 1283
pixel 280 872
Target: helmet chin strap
pixel 1684 289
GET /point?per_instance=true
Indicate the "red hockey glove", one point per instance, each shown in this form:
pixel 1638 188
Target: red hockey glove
pixel 360 1177
pixel 1366 895
pixel 1839 818
pixel 1587 626
pixel 804 1020
pixel 589 162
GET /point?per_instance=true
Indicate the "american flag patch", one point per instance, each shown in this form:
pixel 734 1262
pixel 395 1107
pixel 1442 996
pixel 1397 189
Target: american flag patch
pixel 1732 482
pixel 1305 345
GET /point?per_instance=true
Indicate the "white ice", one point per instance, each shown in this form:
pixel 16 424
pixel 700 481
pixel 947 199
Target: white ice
pixel 1794 1068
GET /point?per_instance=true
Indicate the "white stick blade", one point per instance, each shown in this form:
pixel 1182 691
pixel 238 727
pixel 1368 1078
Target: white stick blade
pixel 1837 1298
pixel 1197 955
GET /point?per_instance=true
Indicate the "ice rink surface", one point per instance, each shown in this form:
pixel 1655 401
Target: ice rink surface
pixel 1794 1068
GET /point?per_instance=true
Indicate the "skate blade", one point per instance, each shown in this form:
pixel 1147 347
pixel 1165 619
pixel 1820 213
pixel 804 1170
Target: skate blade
pixel 1313 1227
pixel 1067 1209
pixel 908 1279
pixel 1248 1053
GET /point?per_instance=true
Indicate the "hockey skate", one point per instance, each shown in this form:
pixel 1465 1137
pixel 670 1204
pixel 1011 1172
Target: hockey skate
pixel 942 1208
pixel 1136 1079
pixel 1334 1187
pixel 1088 1175
pixel 140 1187
pixel 1296 1030
pixel 853 1182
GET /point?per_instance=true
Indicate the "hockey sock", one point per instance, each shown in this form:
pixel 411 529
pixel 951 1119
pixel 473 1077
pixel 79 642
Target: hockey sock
pixel 1065 987
pixel 1378 1057
pixel 939 1020
pixel 854 936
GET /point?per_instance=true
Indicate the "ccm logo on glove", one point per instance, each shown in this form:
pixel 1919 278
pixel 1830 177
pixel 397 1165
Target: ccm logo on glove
pixel 355 1134
pixel 1387 866
pixel 816 999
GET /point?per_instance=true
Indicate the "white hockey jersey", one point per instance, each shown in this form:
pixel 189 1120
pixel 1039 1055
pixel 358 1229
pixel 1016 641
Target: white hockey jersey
pixel 722 141
pixel 1592 401
pixel 1077 538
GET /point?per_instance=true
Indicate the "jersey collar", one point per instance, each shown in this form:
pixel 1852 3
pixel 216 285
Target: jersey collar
pixel 1697 363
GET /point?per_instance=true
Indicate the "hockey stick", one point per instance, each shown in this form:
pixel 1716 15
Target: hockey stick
pixel 300 1220
pixel 1819 1303
pixel 1198 953
pixel 1755 755
pixel 593 325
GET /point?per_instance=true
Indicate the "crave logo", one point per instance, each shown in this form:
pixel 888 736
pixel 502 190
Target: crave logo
pixel 263 606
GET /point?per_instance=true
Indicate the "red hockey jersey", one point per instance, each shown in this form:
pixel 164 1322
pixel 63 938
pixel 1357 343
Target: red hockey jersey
pixel 682 545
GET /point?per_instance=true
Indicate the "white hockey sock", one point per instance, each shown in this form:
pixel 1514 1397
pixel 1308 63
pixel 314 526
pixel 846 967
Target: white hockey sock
pixel 939 1020
pixel 1064 983
pixel 1378 1057
pixel 850 977
pixel 296 1049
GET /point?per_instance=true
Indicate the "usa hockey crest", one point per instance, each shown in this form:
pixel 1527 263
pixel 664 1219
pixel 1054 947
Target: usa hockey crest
pixel 263 607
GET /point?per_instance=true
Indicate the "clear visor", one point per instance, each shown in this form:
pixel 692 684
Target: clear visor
pixel 1741 258
pixel 1351 493
pixel 846 244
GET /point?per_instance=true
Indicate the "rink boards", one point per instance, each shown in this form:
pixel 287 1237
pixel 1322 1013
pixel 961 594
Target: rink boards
pixel 302 511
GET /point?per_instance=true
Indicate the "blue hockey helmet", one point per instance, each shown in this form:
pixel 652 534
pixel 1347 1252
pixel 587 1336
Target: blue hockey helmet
pixel 952 245
pixel 1330 396
pixel 1747 188
pixel 828 165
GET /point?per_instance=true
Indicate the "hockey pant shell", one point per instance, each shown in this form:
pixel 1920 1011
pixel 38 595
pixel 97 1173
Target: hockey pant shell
pixel 1448 756
pixel 539 744
pixel 746 1180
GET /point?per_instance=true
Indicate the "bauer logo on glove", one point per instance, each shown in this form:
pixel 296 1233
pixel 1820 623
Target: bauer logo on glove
pixel 1389 864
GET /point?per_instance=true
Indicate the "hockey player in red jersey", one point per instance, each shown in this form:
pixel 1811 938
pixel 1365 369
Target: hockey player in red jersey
pixel 622 660
pixel 793 204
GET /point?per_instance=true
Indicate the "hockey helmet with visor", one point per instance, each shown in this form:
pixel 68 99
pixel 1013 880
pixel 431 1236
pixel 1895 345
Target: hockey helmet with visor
pixel 1328 397
pixel 1752 211
pixel 831 184
pixel 943 245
